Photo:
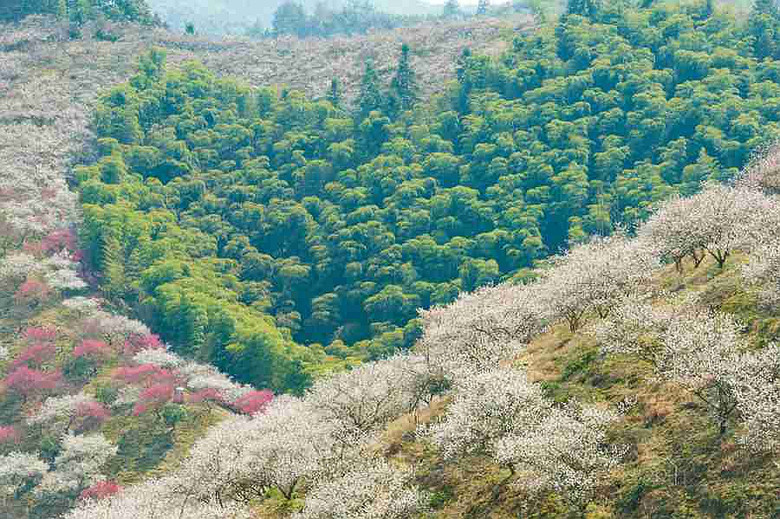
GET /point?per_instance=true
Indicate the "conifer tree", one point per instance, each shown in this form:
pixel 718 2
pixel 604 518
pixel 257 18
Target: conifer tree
pixel 451 9
pixel 764 26
pixel 113 266
pixel 404 84
pixel 586 8
pixel 334 94
pixel 370 98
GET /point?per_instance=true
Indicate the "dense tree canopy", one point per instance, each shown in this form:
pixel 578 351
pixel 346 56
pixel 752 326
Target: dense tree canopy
pixel 244 224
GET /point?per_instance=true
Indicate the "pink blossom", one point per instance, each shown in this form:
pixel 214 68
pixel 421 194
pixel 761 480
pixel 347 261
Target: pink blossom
pixel 91 347
pixel 58 240
pixel 35 356
pixel 26 381
pixel 153 396
pixel 40 334
pixel 8 434
pixel 136 343
pixel 100 490
pixel 94 410
pixel 208 394
pixel 31 292
pixel 253 402
pixel 145 373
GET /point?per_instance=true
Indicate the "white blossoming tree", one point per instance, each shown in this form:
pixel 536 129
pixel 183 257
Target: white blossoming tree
pixel 700 353
pixel 373 491
pixel 19 470
pixel 595 276
pixel 481 329
pixel 368 397
pixel 756 384
pixel 551 447
pixel 717 221
pixel 156 499
pixel 78 465
pixel 242 459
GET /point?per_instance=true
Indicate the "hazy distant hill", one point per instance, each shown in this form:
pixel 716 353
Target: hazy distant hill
pixel 235 16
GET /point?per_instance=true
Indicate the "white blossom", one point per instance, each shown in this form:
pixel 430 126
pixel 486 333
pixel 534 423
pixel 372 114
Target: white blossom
pixel 700 352
pixel 486 407
pixel 369 396
pixel 202 376
pixel 502 415
pixel 18 469
pixel 633 328
pixel 81 304
pixel 595 276
pixel 156 499
pixel 565 452
pixel 481 329
pixel 59 410
pixel 756 383
pixel 374 491
pixel 718 220
pixel 764 269
pixel 158 357
pixel 242 458
pixel 79 464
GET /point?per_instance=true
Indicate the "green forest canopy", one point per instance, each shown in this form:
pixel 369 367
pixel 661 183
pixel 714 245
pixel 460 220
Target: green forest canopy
pixel 277 236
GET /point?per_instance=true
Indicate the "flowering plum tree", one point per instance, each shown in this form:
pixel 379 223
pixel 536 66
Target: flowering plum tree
pixel 552 447
pixel 486 407
pixel 18 470
pixel 717 220
pixel 594 277
pixel 242 458
pixel 156 499
pixel 373 491
pixel 78 465
pixel 369 396
pixel 482 328
pixel 700 352
pixel 100 490
pixel 27 382
pixel 253 401
pixel 68 413
pixel 36 356
pixel 565 453
pixel 756 383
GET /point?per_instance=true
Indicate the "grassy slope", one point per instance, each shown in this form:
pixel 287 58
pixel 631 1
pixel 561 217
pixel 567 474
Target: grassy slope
pixel 676 466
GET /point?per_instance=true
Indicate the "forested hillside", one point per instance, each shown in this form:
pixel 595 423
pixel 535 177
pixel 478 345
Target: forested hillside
pixel 246 225
pixel 632 378
pixel 219 17
pixel 527 279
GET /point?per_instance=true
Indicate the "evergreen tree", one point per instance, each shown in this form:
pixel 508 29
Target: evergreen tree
pixel 334 94
pixel 482 7
pixel 586 8
pixel 709 8
pixel 370 97
pixel 404 84
pixel 451 9
pixel 764 27
pixel 113 266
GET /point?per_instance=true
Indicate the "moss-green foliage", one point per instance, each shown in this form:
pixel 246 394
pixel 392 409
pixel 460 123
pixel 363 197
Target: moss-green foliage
pixel 242 224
